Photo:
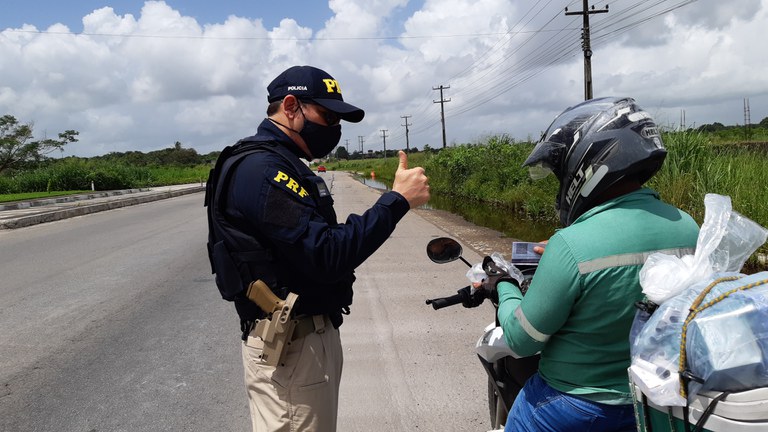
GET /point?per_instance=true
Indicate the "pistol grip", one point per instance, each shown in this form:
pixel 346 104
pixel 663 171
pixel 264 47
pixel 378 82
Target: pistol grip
pixel 259 293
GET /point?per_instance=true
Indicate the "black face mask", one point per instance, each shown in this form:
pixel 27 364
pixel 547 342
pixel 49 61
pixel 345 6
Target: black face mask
pixel 320 139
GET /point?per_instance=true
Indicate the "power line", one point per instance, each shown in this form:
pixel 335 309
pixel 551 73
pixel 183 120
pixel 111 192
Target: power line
pixel 489 89
pixel 547 55
pixel 507 41
pixel 267 38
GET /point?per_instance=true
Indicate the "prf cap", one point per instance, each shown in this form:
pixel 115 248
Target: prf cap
pixel 316 85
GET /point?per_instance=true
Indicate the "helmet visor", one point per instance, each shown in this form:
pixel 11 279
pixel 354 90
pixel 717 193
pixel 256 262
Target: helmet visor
pixel 539 171
pixel 544 158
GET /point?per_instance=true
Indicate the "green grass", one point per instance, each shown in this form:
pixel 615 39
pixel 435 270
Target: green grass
pixel 81 174
pixel 169 175
pixel 486 171
pixel 4 198
pixel 694 168
pixel 491 172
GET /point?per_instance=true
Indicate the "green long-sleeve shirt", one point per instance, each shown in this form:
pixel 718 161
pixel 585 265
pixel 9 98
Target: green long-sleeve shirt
pixel 580 305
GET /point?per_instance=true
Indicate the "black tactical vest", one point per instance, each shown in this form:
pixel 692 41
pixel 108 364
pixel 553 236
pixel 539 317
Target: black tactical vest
pixel 238 257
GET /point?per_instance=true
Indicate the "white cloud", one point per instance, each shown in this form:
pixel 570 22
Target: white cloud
pixel 172 78
pixel 700 70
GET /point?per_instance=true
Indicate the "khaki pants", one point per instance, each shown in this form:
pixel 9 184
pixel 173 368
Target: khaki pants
pixel 302 394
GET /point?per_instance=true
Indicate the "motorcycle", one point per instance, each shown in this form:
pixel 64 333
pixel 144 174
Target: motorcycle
pixel 506 373
pixel 743 410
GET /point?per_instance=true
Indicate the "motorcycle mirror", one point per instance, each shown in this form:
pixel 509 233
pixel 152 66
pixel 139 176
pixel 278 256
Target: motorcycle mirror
pixel 444 250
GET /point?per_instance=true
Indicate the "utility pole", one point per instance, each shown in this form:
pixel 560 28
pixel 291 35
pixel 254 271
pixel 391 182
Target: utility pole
pixel 407 146
pixel 384 137
pixel 586 45
pixel 747 120
pixel 347 146
pixel 361 140
pixel 442 101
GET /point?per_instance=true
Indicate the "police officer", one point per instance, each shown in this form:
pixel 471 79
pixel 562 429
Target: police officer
pixel 275 201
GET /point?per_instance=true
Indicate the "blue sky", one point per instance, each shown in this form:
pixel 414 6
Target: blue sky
pixel 145 74
pixel 310 13
pixel 42 14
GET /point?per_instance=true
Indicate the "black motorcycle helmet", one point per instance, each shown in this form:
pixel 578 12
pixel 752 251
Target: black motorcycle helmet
pixel 593 146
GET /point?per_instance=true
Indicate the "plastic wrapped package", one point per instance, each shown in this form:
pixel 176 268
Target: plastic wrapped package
pixel 726 343
pixel 726 337
pixel 655 352
pixel 726 239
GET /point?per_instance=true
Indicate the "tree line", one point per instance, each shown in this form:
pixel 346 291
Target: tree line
pixel 717 126
pixel 721 133
pixel 176 155
pixel 20 151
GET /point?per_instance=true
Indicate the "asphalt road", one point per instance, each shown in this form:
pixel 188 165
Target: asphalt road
pixel 111 322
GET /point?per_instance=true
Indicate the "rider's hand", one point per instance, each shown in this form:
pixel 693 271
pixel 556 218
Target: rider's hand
pixel 412 183
pixel 473 299
pixel 495 274
pixel 540 249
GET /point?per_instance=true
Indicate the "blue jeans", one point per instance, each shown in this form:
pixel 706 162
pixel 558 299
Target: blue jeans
pixel 540 408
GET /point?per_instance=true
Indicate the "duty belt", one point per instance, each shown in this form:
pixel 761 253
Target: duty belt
pixel 283 326
pixel 276 343
pixel 310 324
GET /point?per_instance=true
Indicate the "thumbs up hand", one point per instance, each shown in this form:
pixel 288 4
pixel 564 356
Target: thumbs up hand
pixel 412 183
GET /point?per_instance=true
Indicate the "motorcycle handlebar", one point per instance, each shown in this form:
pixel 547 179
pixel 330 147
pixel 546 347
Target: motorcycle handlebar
pixel 460 297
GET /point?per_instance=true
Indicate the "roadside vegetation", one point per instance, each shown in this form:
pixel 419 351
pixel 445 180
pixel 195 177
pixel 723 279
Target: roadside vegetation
pixel 83 174
pixel 727 160
pixel 27 165
pixel 490 172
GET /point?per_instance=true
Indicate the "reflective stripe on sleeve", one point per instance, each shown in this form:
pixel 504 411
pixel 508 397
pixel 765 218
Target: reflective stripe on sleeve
pixel 627 259
pixel 528 327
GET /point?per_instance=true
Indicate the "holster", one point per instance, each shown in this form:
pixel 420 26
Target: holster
pixel 280 327
pixel 273 351
pixel 276 331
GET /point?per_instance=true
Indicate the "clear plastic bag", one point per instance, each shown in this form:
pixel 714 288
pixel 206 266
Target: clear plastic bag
pixel 726 240
pixel 727 343
pixel 477 274
pixel 655 352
